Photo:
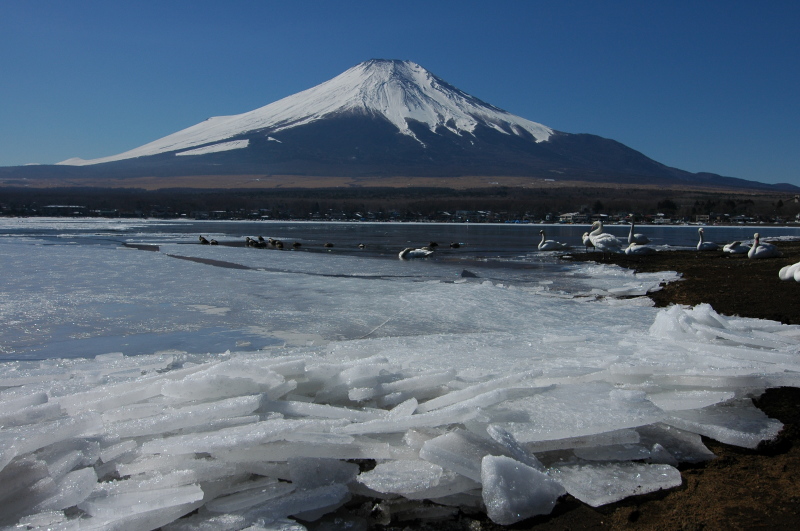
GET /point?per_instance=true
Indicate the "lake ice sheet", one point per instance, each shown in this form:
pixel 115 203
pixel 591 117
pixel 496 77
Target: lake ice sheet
pixel 291 365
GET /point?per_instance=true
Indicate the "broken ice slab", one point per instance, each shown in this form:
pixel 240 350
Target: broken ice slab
pixel 513 491
pixel 138 502
pixel 44 520
pixel 283 451
pixel 624 436
pixel 14 376
pixel 404 409
pixel 157 481
pixel 64 456
pixel 102 398
pixel 428 381
pixel 472 391
pixel 702 322
pixel 210 522
pixel 454 414
pixel 31 414
pixel 512 448
pixel 19 475
pixel 450 485
pixel 249 498
pixel 16 398
pixel 300 501
pixel 171 419
pixel 23 501
pixel 402 477
pixel 150 464
pixel 579 410
pixel 738 422
pixel 132 412
pixel 73 489
pixel 243 437
pixel 461 451
pixel 152 519
pixel 323 411
pixel 23 439
pixel 309 473
pixel 674 400
pixel 600 484
pixel 233 378
pixel 114 451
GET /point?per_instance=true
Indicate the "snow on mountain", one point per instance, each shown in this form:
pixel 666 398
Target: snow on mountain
pixel 395 90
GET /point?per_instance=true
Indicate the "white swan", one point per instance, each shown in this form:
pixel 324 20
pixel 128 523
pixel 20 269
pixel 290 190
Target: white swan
pixel 603 241
pixel 587 242
pixel 550 245
pixel 640 239
pixel 735 248
pixel 790 272
pixel 762 250
pixel 703 245
pixel 410 252
pixel 639 249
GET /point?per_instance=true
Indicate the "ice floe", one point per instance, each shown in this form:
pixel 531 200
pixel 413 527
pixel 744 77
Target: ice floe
pixel 251 439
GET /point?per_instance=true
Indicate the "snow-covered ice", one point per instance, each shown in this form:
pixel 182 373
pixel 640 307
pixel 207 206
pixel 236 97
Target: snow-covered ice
pixel 380 378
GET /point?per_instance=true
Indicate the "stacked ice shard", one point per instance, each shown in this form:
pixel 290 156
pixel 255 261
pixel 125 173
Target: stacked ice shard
pixel 275 439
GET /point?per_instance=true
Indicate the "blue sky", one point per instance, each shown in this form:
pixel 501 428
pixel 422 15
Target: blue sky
pixel 699 85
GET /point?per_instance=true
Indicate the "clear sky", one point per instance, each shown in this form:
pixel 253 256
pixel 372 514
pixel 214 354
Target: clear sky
pixel 699 85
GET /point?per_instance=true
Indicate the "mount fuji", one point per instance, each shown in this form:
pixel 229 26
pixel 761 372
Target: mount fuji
pixel 385 118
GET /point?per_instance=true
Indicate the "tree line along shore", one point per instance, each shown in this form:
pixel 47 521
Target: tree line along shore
pixel 498 204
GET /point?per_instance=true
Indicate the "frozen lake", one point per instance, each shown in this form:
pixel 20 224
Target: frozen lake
pixel 71 287
pixel 206 376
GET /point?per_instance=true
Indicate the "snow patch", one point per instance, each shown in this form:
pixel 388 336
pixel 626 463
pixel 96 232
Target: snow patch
pixel 215 148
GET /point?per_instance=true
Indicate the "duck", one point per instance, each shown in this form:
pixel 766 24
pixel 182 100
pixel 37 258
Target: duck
pixel 362 246
pixel 762 250
pixel 703 245
pixel 603 241
pixel 328 245
pixel 296 245
pixel 204 241
pixel 639 249
pixel 258 244
pixel 639 239
pixel 213 242
pixel 455 245
pixel 735 248
pixel 550 245
pixel 410 252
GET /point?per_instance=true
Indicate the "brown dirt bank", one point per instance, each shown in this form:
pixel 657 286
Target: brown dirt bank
pixel 731 284
pixel 740 489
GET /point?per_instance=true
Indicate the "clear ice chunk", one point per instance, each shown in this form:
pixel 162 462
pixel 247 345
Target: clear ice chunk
pixel 600 484
pixel 513 491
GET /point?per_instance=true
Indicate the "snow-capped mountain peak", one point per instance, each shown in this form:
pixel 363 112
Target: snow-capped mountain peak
pixel 399 91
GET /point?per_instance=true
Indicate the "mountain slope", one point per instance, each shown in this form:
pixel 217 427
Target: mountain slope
pixel 382 118
pixel 399 92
